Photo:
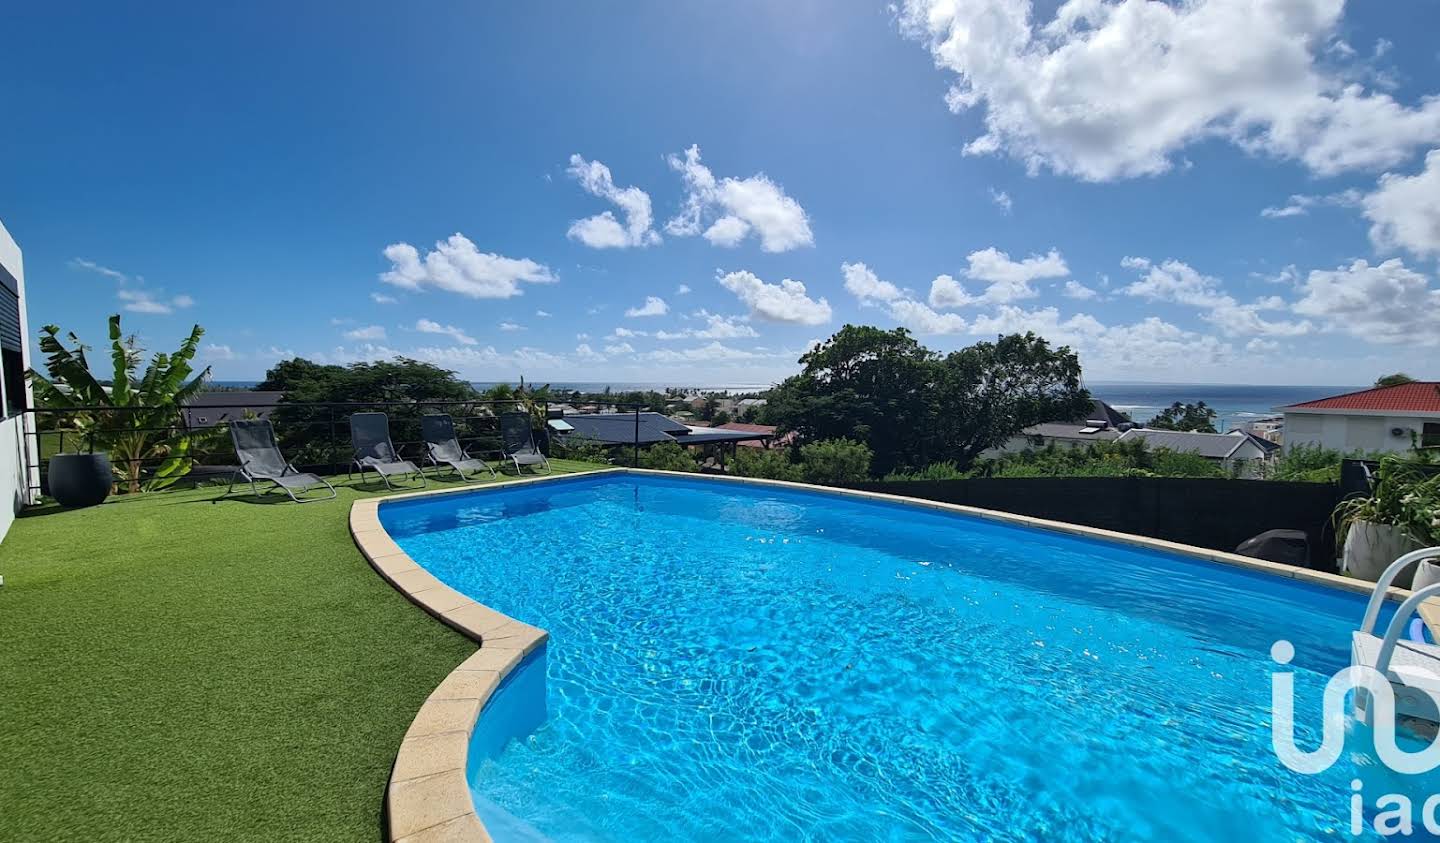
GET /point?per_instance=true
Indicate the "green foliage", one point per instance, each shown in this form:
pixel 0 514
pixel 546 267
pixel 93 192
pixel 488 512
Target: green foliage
pixel 581 450
pixel 1131 458
pixel 1394 380
pixel 313 435
pixel 912 407
pixel 1309 463
pixel 767 464
pixel 1197 417
pixel 934 471
pixel 668 456
pixel 139 417
pixel 835 461
pixel 1406 493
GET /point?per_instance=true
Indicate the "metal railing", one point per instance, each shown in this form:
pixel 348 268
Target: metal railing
pixel 315 436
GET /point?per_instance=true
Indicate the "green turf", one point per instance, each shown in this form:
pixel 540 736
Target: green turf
pixel 176 668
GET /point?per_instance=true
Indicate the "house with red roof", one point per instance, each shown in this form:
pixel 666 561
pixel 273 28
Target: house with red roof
pixel 1386 418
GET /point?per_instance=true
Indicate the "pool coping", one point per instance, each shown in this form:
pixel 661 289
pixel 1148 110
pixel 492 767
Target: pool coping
pixel 427 799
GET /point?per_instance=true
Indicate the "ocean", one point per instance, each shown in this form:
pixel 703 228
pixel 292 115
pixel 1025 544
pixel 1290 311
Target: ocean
pixel 1236 404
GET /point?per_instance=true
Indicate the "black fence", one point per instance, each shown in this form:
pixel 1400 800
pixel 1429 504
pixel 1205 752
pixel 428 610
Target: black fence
pixel 1218 514
pixel 314 437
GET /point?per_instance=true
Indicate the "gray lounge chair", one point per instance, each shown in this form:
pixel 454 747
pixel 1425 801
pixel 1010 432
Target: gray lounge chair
pixel 443 448
pixel 370 434
pixel 260 459
pixel 517 439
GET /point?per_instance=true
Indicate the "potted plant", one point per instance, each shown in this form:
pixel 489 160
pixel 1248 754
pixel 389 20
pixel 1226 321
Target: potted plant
pixel 1380 528
pixel 77 480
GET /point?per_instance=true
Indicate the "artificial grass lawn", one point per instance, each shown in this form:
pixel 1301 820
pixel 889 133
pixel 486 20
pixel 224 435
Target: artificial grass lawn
pixel 176 668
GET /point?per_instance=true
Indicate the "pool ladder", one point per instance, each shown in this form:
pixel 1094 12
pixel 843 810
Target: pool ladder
pixel 1411 664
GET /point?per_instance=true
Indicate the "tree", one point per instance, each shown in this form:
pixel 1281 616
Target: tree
pixel 835 461
pixel 1195 417
pixel 317 435
pixel 1396 379
pixel 990 391
pixel 864 384
pixel 139 419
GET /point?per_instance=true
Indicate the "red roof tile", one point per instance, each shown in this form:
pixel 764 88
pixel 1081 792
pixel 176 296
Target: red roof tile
pixel 1421 397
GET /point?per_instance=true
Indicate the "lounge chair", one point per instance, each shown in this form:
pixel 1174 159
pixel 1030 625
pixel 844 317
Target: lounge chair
pixel 260 459
pixel 517 439
pixel 443 448
pixel 370 434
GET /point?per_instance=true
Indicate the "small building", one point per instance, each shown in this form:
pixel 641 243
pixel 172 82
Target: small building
pixel 1102 423
pixel 768 431
pixel 1383 419
pixel 1238 450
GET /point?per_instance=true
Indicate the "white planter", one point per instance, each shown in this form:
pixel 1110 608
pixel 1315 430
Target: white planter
pixel 1370 548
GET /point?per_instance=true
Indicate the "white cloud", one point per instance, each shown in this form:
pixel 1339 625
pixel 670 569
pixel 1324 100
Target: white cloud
pixel 1175 281
pixel 140 300
pixel 457 266
pixel 604 231
pixel 1080 292
pixel 945 292
pixel 783 302
pixel 682 290
pixel 1405 210
pixel 543 314
pixel 1387 303
pixel 921 319
pixel 115 274
pixel 1009 280
pixel 1300 204
pixel 510 327
pixel 717 327
pixel 712 353
pixel 212 351
pixel 381 298
pixel 582 337
pixel 429 326
pixel 1001 200
pixel 869 288
pixel 368 332
pixel 620 348
pixel 628 333
pixel 585 353
pixel 864 284
pixel 728 210
pixel 653 306
pixel 1108 90
pixel 1259 346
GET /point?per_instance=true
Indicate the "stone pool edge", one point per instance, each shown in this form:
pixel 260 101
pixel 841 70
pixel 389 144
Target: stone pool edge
pixel 427 798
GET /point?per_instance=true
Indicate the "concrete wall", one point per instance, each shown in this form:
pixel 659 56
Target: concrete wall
pixel 19 461
pixel 1352 432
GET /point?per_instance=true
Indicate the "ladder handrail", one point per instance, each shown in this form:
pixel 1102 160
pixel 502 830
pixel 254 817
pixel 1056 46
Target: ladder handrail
pixel 1377 597
pixel 1397 623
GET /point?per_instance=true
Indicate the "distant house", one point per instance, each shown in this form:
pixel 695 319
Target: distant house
pixel 765 430
pixel 211 408
pixel 1385 418
pixel 1103 423
pixel 1243 451
pixel 649 429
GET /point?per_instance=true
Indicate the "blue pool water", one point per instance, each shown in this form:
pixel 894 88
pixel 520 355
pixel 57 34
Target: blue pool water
pixel 732 662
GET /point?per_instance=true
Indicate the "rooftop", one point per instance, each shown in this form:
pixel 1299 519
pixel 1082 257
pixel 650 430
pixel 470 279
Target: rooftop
pixel 1213 445
pixel 1417 397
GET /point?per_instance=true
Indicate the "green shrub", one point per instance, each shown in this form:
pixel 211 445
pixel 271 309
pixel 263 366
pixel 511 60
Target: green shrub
pixel 835 461
pixel 934 471
pixel 765 464
pixel 668 456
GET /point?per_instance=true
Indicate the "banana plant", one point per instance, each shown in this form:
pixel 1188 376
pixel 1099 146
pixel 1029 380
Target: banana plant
pixel 136 420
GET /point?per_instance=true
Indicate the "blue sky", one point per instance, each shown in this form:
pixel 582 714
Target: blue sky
pixel 1226 191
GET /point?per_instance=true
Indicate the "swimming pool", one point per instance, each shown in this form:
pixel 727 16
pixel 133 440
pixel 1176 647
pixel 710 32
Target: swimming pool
pixel 742 662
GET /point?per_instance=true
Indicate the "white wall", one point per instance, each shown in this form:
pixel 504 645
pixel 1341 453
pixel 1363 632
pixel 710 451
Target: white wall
pixel 1357 432
pixel 19 463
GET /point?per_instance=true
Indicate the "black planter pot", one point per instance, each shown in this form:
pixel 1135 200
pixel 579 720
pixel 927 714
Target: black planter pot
pixel 79 479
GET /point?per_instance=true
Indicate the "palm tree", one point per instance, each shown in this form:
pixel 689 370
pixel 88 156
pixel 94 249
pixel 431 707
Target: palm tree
pixel 135 420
